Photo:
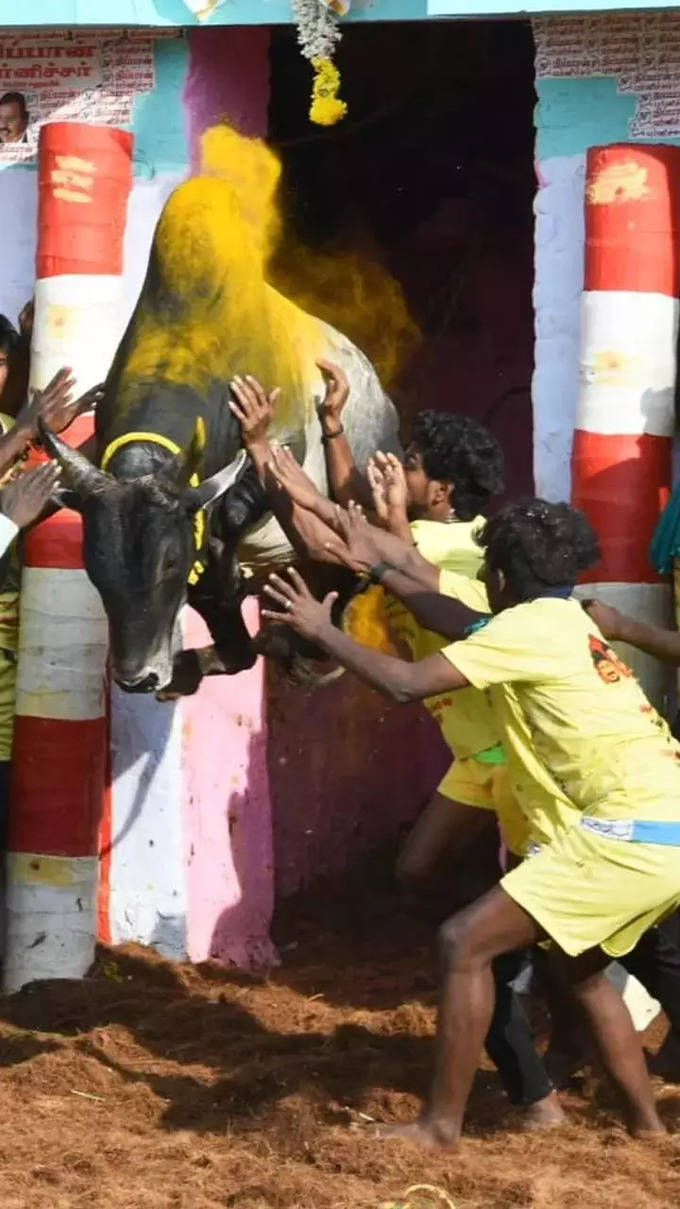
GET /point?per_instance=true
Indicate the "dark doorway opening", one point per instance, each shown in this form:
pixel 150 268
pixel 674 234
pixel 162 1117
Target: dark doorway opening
pixel 431 174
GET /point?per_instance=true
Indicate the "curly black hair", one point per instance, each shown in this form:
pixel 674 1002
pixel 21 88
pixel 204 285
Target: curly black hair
pixel 9 336
pixel 537 545
pixel 459 451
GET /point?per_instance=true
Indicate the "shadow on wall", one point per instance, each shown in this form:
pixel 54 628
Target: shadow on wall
pixel 142 892
pixel 190 855
pixel 240 931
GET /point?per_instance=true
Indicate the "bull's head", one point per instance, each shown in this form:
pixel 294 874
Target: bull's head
pixel 139 548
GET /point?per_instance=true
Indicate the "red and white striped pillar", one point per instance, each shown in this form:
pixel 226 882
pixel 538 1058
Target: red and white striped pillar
pixel 60 742
pixel 622 452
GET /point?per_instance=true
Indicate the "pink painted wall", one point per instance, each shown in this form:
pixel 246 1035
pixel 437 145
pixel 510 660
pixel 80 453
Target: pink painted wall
pixel 227 813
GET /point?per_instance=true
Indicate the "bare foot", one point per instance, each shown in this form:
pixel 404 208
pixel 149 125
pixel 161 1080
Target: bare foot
pixel 647 1125
pixel 422 1133
pixel 544 1114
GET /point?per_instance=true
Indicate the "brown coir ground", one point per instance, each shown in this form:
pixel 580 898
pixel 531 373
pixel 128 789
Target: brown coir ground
pixel 156 1086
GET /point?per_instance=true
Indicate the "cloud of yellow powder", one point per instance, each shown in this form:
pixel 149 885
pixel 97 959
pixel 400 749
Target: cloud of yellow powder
pixel 209 308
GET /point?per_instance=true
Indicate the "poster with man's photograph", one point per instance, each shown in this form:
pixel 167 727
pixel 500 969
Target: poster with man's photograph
pixel 53 75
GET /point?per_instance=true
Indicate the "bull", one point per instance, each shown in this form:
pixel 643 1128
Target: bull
pixel 171 506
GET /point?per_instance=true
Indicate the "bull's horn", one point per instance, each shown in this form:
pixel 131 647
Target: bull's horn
pixel 210 489
pixel 80 475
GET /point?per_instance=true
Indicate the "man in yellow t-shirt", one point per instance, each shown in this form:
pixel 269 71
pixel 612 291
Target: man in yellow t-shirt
pixel 456 443
pixel 602 882
pixel 452 468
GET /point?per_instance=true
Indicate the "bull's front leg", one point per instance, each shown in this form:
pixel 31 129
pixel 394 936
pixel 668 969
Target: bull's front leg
pixel 231 650
pixel 217 596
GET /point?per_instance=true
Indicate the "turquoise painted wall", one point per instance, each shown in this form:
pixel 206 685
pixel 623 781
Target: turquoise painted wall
pixel 159 121
pixel 276 12
pixel 574 114
pixel 175 12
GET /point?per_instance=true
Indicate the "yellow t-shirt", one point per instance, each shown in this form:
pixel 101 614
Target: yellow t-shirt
pixel 545 810
pixel 587 719
pixel 466 718
pixel 450 545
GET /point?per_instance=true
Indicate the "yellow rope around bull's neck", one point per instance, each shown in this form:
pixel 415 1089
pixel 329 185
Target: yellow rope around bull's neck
pixel 157 438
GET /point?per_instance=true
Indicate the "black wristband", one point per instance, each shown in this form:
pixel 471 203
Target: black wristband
pixel 330 436
pixel 377 573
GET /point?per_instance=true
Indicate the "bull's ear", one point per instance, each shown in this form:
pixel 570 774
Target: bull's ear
pixel 210 489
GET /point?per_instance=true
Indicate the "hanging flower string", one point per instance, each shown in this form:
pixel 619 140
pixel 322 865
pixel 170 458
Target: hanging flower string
pixel 318 35
pixel 326 108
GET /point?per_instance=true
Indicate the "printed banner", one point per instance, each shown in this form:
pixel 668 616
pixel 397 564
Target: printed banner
pixel 642 50
pixel 59 75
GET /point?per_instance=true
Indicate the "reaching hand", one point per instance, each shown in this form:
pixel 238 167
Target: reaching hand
pixel 364 545
pixel 360 549
pixel 54 404
pixel 26 316
pixel 24 499
pixel 291 478
pixel 337 393
pixel 388 485
pixel 253 408
pixel 299 609
pixel 606 618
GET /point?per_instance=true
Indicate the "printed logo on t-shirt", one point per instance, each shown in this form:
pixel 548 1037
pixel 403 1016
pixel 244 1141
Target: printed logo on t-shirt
pixel 606 662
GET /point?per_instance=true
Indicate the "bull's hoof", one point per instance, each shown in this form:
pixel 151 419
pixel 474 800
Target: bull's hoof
pixel 186 677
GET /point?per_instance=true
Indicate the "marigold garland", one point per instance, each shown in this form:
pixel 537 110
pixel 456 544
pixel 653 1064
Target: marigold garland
pixel 326 108
pixel 318 35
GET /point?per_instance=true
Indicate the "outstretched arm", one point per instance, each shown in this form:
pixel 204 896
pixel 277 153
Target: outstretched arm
pixel 345 481
pixel 23 501
pixel 442 614
pixel 300 509
pixel 55 406
pixel 394 678
pixel 400 568
pixel 390 494
pixel 617 627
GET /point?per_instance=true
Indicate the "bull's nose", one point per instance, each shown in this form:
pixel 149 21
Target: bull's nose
pixel 143 684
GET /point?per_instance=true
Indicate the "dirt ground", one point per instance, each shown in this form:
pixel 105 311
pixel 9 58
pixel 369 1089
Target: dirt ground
pixel 153 1086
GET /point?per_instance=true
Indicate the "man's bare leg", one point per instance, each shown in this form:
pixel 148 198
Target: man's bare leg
pixel 468 941
pixel 615 1036
pixel 443 826
pixel 446 826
